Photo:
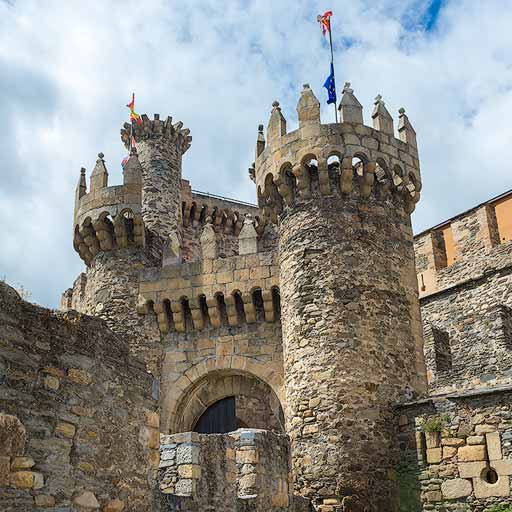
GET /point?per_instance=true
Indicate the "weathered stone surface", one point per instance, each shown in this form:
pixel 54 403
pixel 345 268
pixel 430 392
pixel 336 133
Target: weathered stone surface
pixel 434 455
pixel 485 490
pixel 456 488
pixel 471 469
pixel 64 429
pixel 493 442
pixel 22 479
pixel 44 500
pixel 86 500
pixel 21 463
pixel 114 506
pixel 471 453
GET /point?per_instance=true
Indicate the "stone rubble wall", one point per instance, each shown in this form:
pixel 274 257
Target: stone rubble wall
pixel 446 469
pixel 243 470
pixel 78 427
pixel 465 306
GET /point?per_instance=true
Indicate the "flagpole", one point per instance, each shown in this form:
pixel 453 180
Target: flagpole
pixel 332 64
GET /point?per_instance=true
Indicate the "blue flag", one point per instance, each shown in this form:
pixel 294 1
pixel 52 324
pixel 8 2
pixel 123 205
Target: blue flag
pixel 331 87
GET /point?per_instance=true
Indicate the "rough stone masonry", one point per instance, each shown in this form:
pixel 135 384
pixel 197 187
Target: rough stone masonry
pixel 217 355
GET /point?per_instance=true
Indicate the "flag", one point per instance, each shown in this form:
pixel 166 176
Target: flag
pixel 133 115
pixel 330 85
pixel 325 22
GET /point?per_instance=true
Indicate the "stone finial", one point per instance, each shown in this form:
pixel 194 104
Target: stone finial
pixel 132 170
pixel 260 141
pixel 81 186
pixel 382 119
pixel 248 237
pixel 277 124
pixel 208 241
pixel 350 109
pixel 308 107
pixel 99 176
pixel 172 250
pixel 405 130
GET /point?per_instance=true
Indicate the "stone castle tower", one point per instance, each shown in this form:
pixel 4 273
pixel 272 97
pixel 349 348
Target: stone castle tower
pixel 341 196
pixel 291 330
pixel 334 225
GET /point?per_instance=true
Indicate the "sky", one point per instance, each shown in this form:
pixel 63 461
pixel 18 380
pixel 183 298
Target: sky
pixel 67 70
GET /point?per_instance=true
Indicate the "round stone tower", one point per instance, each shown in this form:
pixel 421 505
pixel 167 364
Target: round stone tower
pixel 160 147
pixel 341 196
pixel 121 230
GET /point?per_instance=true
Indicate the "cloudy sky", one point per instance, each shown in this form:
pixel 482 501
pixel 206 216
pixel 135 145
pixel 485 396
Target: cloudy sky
pixel 67 69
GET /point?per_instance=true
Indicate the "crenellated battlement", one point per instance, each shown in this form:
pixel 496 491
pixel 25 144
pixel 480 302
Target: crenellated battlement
pixel 154 128
pixel 336 159
pixel 107 218
pixel 471 245
pixel 213 293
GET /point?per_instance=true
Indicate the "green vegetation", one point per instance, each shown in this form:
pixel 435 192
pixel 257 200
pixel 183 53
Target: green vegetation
pixel 503 507
pixel 435 423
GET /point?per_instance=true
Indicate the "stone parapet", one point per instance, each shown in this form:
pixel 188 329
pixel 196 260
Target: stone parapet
pixel 243 470
pixel 462 249
pixel 225 291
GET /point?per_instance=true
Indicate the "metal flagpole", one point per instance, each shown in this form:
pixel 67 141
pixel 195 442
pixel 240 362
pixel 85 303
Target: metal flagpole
pixel 332 64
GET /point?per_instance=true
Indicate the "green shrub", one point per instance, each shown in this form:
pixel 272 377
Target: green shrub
pixel 435 423
pixel 500 508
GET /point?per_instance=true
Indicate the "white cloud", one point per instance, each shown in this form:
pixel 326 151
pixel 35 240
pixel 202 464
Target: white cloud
pixel 68 68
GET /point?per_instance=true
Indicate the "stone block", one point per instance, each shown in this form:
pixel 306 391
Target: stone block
pixel 22 480
pixel 44 500
pixel 187 454
pixel 5 467
pixel 471 469
pixel 471 453
pixel 184 487
pixel 310 429
pixel 433 439
pixel 114 506
pixel 152 419
pixel 38 481
pixel 247 457
pixel 149 438
pixel 51 382
pixel 493 445
pixel 502 467
pixel 433 496
pixel 434 455
pixel 281 500
pixel 79 376
pixel 475 440
pixel 485 490
pixel 484 429
pixel 449 452
pixel 453 441
pixel 86 500
pixel 64 429
pixel 189 471
pixel 456 488
pixel 153 458
pixel 18 463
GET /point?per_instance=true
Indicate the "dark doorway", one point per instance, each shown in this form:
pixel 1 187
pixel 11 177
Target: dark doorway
pixel 219 418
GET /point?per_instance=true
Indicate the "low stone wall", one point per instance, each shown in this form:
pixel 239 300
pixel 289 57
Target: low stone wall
pixel 78 427
pixel 456 452
pixel 243 470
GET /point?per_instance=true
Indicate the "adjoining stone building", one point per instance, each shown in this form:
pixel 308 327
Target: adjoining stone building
pixel 270 357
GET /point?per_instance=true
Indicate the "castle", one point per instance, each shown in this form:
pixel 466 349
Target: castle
pixel 304 354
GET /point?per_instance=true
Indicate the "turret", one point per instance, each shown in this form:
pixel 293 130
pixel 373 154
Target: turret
pixel 341 196
pixel 160 146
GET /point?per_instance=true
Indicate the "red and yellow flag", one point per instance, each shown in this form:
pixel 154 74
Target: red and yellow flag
pixel 133 115
pixel 325 21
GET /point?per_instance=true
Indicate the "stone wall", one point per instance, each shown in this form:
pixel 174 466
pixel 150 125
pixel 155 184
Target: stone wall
pixel 243 470
pixel 456 452
pixel 78 427
pixel 465 305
